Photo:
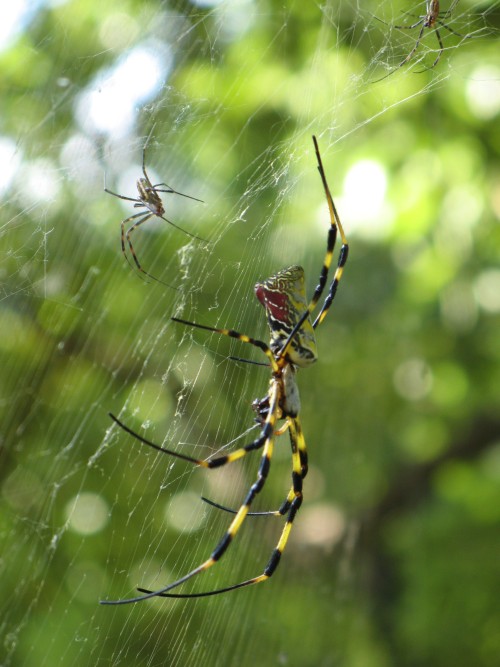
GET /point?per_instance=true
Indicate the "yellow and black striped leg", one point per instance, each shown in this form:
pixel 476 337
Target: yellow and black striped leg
pixel 299 464
pixel 209 463
pixel 231 333
pixel 335 227
pixel 333 287
pixel 238 520
pixel 343 254
pixel 297 476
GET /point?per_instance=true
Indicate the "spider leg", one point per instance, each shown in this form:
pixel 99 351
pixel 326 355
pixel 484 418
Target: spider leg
pixel 121 196
pixel 235 334
pixel 268 437
pixel 123 225
pixel 237 453
pixel 210 462
pixel 144 165
pixel 231 510
pixel 343 254
pixel 399 27
pixel 277 551
pixel 412 52
pixel 409 27
pixel 449 11
pixel 171 190
pixel 193 236
pixel 453 32
pixel 335 226
pixel 140 221
pixel 299 464
pixel 153 187
pixel 441 48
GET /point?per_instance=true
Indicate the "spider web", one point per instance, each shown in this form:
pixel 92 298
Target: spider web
pixel 236 91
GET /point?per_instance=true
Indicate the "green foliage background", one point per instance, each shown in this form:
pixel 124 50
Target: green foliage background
pixel 412 575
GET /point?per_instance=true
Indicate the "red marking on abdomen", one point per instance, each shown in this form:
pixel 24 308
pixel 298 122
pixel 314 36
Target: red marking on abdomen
pixel 276 303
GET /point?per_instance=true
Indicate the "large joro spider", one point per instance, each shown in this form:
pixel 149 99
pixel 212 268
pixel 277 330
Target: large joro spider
pixel 292 346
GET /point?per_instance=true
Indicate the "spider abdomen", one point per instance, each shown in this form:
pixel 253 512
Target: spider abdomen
pixel 284 298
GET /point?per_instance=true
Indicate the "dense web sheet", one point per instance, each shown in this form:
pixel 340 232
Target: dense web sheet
pixel 226 95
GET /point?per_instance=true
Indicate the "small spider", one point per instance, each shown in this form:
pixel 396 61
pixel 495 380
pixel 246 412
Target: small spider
pixel 150 200
pixel 431 19
pixel 292 346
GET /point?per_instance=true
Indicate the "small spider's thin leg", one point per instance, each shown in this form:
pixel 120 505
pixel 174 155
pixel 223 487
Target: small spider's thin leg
pixel 408 27
pixel 154 187
pixel 145 218
pixel 453 32
pixel 441 49
pixel 123 225
pixel 193 236
pixel 412 52
pixel 141 221
pixel 237 522
pixel 400 27
pixel 386 76
pixel 144 165
pixel 132 250
pixel 335 225
pixel 278 550
pixel 235 334
pixel 123 196
pixel 449 11
pixel 415 47
pixel 171 190
pixel 441 46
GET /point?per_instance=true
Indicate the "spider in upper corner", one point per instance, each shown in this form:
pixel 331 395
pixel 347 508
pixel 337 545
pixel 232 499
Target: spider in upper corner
pixel 292 346
pixel 432 18
pixel 150 200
